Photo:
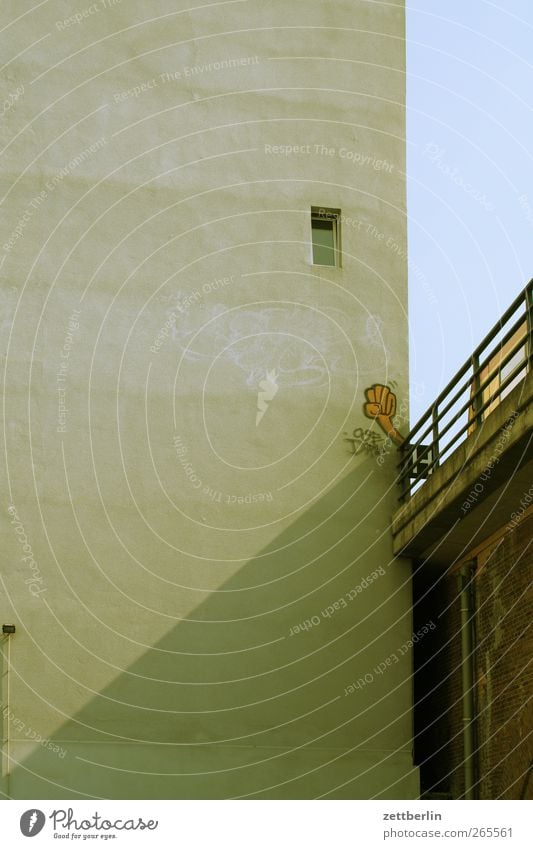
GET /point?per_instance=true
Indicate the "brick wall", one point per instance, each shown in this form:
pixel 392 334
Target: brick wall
pixel 503 589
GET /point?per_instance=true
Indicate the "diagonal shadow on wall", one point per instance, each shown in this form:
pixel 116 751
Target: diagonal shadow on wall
pixel 232 704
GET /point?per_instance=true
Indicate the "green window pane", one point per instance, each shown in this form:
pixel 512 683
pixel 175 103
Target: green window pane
pixel 324 241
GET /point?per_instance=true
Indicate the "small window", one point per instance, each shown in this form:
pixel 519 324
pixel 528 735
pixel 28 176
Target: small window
pixel 325 231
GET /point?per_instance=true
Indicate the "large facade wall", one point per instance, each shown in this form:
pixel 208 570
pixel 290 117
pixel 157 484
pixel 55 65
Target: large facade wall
pixel 160 166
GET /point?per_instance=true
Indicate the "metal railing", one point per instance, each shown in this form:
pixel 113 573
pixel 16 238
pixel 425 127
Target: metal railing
pixel 496 366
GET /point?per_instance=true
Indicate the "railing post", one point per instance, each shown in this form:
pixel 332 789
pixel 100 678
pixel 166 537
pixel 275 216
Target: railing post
pixel 476 383
pixel 435 438
pixel 529 318
pixel 405 490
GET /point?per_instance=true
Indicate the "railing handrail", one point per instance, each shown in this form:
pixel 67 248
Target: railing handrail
pixel 464 368
pixel 474 381
pixel 434 461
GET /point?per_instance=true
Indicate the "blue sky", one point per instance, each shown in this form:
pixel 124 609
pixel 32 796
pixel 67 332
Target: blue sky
pixel 470 175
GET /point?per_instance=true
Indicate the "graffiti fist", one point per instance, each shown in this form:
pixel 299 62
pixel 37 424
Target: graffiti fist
pixel 381 406
pixel 380 402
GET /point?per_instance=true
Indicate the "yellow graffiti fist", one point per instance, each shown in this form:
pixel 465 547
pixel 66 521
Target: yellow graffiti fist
pixel 381 406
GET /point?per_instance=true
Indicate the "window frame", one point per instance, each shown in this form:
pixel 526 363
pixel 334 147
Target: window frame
pixel 325 213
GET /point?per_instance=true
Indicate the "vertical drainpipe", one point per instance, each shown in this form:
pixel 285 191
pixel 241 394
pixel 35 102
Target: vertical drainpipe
pixel 8 741
pixel 466 584
pixel 7 631
pixel 6 754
